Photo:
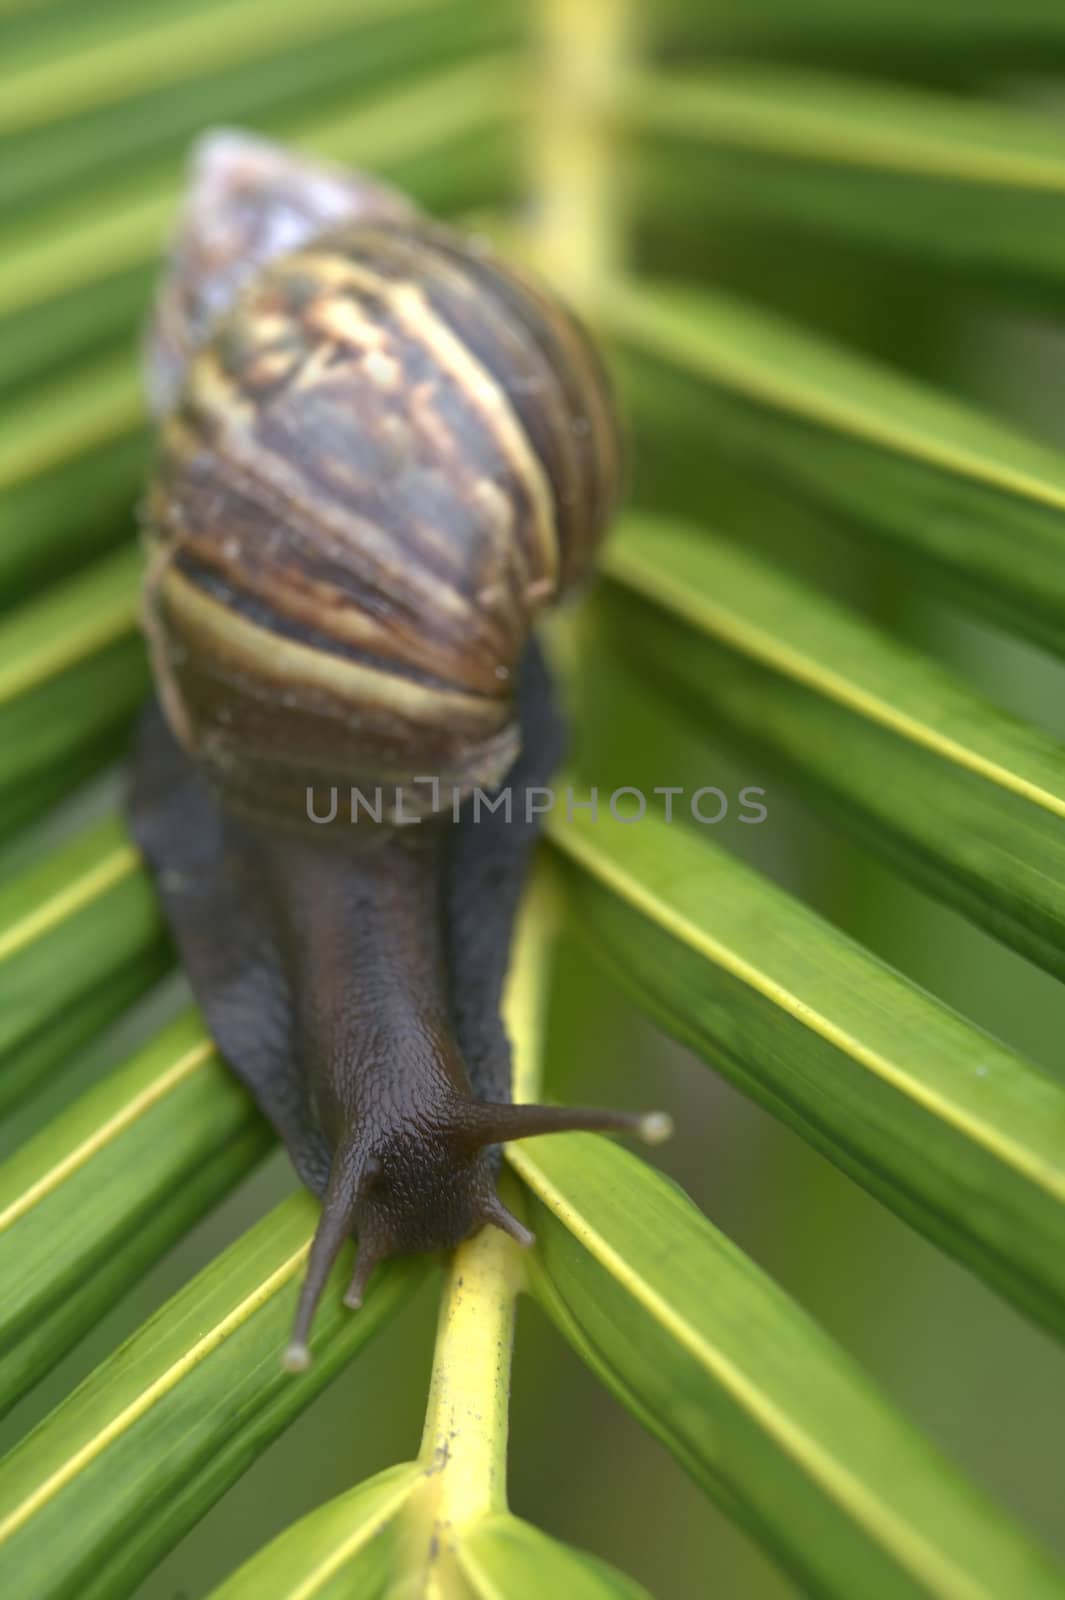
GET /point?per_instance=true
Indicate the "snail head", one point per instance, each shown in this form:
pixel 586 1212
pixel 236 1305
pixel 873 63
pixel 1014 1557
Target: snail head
pixel 429 1186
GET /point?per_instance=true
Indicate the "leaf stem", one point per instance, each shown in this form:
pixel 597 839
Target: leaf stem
pixel 464 1441
pixel 586 52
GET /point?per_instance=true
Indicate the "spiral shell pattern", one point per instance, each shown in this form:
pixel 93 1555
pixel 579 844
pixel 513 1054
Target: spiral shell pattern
pixel 389 456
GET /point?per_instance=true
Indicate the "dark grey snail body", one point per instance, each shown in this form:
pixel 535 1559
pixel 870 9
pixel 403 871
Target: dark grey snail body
pixel 381 454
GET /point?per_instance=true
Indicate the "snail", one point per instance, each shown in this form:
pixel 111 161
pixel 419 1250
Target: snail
pixel 381 453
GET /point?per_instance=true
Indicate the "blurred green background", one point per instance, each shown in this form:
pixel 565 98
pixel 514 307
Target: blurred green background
pixel 987 1386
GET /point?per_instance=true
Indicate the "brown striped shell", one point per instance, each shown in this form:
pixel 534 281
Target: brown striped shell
pixel 385 460
pixel 247 202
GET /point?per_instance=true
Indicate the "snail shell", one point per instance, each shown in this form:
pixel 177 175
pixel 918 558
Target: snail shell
pixel 248 201
pixel 388 455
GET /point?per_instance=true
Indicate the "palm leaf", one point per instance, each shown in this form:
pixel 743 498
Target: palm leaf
pixel 958 1133
pixel 102 62
pixel 900 32
pixel 977 504
pixel 167 1423
pixel 967 799
pixel 351 1545
pixel 851 160
pixel 71 674
pixel 750 1395
pixel 80 939
pixel 102 1191
pixel 507 1559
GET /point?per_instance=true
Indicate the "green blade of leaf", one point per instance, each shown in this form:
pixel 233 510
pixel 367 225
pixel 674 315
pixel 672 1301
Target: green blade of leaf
pixel 72 672
pixel 71 452
pixel 80 939
pixel 854 161
pixel 956 1133
pixel 355 1545
pixel 93 1498
pixel 122 223
pixel 13 7
pixel 307 78
pixel 101 1192
pixel 66 418
pixel 1031 32
pixel 979 504
pixel 504 1558
pixel 62 520
pixel 105 60
pixel 753 1398
pixel 966 799
pixel 350 1546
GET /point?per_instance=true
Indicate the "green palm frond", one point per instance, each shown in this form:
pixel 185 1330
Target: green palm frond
pixel 965 798
pixel 614 144
pixel 846 158
pixel 977 504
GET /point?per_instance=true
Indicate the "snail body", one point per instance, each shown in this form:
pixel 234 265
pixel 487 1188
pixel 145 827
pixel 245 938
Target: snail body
pixel 381 454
